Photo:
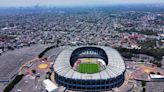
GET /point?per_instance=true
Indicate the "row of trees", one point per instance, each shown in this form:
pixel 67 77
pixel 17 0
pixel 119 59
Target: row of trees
pixel 157 53
pixel 145 32
pixel 13 83
pixel 42 53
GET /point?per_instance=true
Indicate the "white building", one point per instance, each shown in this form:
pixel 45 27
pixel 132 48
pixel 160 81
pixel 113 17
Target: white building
pixel 49 85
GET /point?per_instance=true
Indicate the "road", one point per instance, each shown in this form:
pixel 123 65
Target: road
pixel 27 84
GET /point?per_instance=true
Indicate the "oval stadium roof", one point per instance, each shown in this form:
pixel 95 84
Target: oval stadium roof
pixel 115 67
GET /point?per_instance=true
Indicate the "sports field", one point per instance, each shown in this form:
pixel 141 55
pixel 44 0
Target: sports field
pixel 88 68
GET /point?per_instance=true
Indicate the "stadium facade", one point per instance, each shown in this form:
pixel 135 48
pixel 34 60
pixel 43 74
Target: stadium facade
pixel 111 74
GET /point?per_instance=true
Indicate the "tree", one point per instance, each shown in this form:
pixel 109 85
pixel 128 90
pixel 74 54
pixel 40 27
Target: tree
pixel 13 83
pixel 33 71
pixel 143 83
pixel 158 73
pixel 143 90
pixel 152 73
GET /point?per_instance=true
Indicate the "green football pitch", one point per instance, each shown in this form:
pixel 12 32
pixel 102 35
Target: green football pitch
pixel 88 68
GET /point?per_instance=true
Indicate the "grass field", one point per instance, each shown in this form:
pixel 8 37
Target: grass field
pixel 88 68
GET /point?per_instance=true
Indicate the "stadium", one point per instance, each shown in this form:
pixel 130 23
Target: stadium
pixel 89 68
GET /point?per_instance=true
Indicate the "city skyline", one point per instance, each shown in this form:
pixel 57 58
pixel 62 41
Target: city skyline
pixel 110 47
pixel 28 3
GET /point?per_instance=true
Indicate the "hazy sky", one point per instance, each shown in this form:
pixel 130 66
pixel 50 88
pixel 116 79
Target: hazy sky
pixel 4 3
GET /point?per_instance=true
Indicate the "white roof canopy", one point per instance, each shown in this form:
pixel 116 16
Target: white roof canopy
pixel 115 67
